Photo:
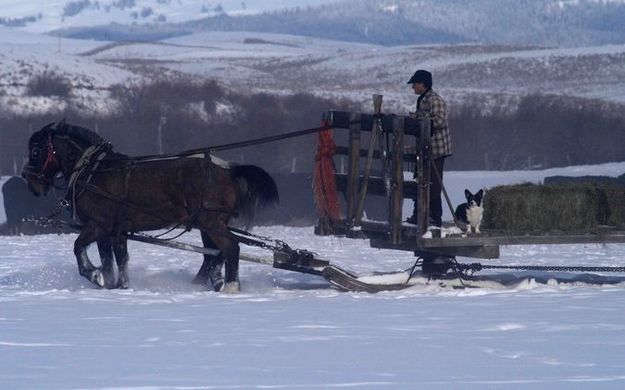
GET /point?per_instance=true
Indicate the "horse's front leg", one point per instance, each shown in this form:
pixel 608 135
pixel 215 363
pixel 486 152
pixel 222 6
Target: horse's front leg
pixel 120 247
pixel 210 271
pixel 105 248
pixel 88 234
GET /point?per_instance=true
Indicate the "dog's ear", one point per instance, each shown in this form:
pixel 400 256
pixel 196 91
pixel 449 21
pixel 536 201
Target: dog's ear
pixel 467 193
pixel 479 194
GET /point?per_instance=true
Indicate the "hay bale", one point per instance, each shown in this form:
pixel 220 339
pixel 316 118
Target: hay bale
pixel 615 195
pixel 580 179
pixel 575 207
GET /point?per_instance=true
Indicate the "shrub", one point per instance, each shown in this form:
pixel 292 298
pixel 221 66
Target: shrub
pixel 49 83
pixel 75 7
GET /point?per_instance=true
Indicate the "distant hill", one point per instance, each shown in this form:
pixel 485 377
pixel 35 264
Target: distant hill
pixel 401 22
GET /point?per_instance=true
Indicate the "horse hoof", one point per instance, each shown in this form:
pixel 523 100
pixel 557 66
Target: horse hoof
pixel 218 285
pixel 231 288
pixel 98 278
pixel 122 285
pixel 216 278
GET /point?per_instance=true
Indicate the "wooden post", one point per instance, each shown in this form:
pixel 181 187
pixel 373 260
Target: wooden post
pixel 373 136
pixel 437 176
pixel 397 181
pixel 353 166
pixel 423 175
pixel 384 149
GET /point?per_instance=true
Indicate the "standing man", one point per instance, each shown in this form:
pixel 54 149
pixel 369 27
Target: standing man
pixel 429 102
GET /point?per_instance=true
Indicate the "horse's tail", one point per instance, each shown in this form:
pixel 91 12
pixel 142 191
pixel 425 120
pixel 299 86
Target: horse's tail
pixel 256 190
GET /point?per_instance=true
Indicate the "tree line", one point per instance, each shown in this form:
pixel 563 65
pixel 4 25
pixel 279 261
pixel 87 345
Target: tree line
pixel 172 115
pixel 545 131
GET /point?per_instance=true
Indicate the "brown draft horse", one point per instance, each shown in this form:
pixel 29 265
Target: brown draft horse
pixel 112 195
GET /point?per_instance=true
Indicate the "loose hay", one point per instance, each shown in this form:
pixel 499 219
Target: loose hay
pixel 581 207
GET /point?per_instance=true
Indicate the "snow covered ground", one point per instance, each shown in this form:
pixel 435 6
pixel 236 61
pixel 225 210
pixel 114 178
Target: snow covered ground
pixel 287 330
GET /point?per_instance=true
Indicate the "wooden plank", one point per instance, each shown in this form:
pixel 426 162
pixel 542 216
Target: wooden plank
pixel 344 119
pixel 547 239
pixel 481 252
pixel 353 168
pixel 380 231
pixel 195 248
pixel 376 186
pixel 397 181
pixel 423 176
pixel 373 137
pixel 495 238
pixel 344 151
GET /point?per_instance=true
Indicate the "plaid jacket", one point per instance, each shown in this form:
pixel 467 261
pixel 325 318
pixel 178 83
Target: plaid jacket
pixel 434 105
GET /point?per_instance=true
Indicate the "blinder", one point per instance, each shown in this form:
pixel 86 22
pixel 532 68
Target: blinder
pixel 42 169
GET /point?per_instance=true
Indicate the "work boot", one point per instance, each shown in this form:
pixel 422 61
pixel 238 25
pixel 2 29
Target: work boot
pixel 435 230
pixel 412 220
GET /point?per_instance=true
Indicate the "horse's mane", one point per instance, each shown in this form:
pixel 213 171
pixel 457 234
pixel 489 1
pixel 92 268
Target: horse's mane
pixel 85 135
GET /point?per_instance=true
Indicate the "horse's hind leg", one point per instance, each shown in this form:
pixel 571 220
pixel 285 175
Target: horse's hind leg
pixel 211 267
pixel 231 253
pixel 88 234
pixel 105 249
pixel 120 247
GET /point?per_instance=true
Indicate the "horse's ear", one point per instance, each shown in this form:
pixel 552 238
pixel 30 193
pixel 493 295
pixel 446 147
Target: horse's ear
pixel 60 124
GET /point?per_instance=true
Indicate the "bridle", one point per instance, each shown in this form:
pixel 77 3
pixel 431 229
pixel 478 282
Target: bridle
pixel 51 160
pixel 50 166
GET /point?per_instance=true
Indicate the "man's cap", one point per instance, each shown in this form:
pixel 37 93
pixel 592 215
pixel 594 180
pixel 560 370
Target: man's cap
pixel 421 76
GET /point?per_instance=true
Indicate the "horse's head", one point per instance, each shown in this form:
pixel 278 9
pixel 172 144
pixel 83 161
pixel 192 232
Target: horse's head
pixel 54 149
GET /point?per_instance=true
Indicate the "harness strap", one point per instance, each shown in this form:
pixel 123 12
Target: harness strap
pixel 81 166
pixel 233 145
pixel 51 156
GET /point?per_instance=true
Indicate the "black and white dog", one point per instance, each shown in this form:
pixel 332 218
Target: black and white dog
pixel 470 213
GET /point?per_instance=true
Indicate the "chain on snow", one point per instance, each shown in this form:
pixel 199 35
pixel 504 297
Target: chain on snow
pixel 470 269
pixel 276 245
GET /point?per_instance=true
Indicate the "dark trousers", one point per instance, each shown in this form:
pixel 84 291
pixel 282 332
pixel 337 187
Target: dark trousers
pixel 436 188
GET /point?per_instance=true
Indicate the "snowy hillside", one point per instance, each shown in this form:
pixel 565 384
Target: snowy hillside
pixel 26 55
pixel 388 22
pixel 401 22
pixel 58 14
pixel 494 72
pixel 495 75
